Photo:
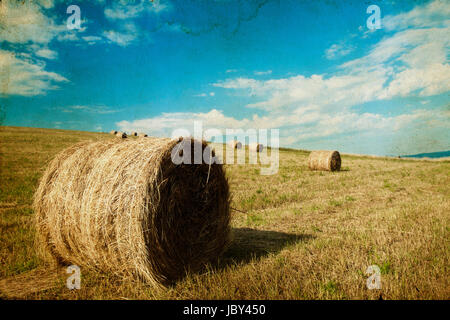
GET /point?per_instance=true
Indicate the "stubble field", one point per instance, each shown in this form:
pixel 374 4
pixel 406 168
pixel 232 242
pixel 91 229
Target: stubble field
pixel 299 234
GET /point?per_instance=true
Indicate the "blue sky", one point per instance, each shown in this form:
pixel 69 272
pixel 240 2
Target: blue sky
pixel 312 69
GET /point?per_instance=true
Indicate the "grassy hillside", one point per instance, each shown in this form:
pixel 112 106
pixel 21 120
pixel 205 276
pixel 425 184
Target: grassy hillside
pixel 297 235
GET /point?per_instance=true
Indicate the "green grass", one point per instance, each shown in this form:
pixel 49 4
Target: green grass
pixel 298 234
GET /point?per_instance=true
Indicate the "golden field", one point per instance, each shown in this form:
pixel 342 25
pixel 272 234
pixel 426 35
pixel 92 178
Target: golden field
pixel 299 234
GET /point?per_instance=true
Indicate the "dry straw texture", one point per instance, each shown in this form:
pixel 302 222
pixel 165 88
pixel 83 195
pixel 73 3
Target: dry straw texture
pixel 123 207
pixel 256 147
pixel 324 160
pixel 235 144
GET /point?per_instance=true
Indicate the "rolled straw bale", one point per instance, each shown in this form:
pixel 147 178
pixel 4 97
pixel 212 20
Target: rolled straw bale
pixel 114 132
pixel 235 144
pixel 142 135
pixel 134 134
pixel 124 207
pixel 120 134
pixel 256 147
pixel 324 160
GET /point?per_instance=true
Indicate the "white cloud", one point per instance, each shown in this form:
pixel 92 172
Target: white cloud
pixel 410 62
pixel 123 10
pixel 25 21
pixel 211 94
pixel 126 36
pixel 92 39
pixel 22 76
pixel 122 39
pixel 295 128
pixel 47 53
pixel 432 80
pixel 290 93
pixel 434 14
pixel 90 109
pixel 337 51
pixel 164 124
pixel 231 70
pixel 262 73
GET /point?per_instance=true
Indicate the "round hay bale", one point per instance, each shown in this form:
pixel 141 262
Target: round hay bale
pixel 125 208
pixel 120 134
pixel 142 135
pixel 255 147
pixel 114 132
pixel 134 134
pixel 235 144
pixel 324 160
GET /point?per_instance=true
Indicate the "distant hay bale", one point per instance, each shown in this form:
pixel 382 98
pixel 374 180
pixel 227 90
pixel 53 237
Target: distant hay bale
pixel 142 135
pixel 324 160
pixel 134 134
pixel 124 207
pixel 114 132
pixel 256 147
pixel 235 144
pixel 120 134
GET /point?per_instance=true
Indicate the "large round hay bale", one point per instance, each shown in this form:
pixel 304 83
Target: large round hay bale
pixel 255 147
pixel 114 132
pixel 235 144
pixel 134 134
pixel 324 160
pixel 144 135
pixel 124 207
pixel 120 134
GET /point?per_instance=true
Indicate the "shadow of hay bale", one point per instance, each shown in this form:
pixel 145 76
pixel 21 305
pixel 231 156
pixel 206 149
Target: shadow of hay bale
pixel 251 244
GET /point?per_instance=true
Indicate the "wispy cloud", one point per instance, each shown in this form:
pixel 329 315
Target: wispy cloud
pixel 89 109
pixel 262 73
pixel 338 50
pixel 126 36
pixel 47 53
pixel 123 10
pixel 92 39
pixel 210 94
pixel 21 75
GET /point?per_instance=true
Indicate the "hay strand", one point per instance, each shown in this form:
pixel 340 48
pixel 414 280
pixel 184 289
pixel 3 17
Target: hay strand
pixel 324 160
pixel 123 207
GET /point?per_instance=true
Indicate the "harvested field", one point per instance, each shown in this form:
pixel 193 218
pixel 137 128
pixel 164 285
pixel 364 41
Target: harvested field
pixel 299 234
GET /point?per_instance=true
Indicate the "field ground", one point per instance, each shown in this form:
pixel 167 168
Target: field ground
pixel 298 234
